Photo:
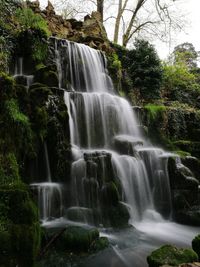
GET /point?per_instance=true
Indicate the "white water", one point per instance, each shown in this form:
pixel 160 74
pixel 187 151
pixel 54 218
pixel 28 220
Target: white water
pixel 99 119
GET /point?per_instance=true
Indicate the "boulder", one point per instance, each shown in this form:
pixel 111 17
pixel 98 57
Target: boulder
pixel 126 144
pixel 170 255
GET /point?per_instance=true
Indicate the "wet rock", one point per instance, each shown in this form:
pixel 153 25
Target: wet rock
pixel 81 214
pixel 193 164
pixel 77 239
pixel 190 216
pixel 126 144
pixel 47 75
pixel 181 176
pixel 170 255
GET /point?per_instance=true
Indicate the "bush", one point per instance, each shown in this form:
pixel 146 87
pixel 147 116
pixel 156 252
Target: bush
pixel 27 19
pixel 196 245
pixel 145 69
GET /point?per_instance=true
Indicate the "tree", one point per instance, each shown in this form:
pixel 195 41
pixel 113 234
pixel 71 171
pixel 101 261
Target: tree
pixel 186 53
pixel 100 8
pixel 155 17
pixel 133 18
pixel 145 70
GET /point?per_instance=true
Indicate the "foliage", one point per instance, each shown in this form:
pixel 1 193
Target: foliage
pixel 186 54
pixel 154 110
pixel 6 87
pixel 27 19
pixel 145 69
pixel 9 169
pixel 34 29
pixel 177 80
pixel 196 245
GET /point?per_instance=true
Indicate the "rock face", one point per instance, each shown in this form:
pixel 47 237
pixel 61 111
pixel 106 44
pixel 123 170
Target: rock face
pixel 90 31
pixel 185 193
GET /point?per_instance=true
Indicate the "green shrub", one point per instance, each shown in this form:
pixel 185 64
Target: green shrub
pixel 196 245
pixel 145 70
pixel 27 19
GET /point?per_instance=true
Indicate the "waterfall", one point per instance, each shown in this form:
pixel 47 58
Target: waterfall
pixel 107 145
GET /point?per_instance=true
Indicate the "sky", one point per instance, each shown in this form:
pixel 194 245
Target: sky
pixel 191 9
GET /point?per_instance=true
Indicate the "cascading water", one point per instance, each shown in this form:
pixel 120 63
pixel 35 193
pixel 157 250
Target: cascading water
pixel 102 121
pixel 108 149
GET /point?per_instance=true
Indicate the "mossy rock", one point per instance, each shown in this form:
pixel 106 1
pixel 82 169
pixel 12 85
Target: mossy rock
pixel 18 206
pixel 192 147
pixel 77 239
pixel 170 255
pixel 19 245
pixel 189 216
pixel 196 245
pixel 6 86
pixel 47 75
pixel 38 94
pixel 25 243
pixel 116 216
pixel 99 244
pixel 9 169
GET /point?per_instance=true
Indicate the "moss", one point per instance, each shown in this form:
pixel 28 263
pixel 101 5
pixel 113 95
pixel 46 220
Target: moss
pixel 189 146
pixel 170 255
pixel 18 206
pixel 6 87
pixel 9 169
pixel 116 216
pixel 47 75
pixel 182 154
pixel 25 243
pixel 77 239
pixel 154 110
pixel 19 227
pixel 99 244
pixel 38 94
pixel 196 245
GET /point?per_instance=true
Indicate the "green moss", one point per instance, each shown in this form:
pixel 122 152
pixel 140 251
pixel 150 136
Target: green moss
pixel 25 243
pixel 38 94
pixel 182 154
pixel 189 146
pixel 76 238
pixel 14 114
pixel 99 244
pixel 154 110
pixel 170 255
pixel 6 87
pixel 47 75
pixel 27 19
pixel 9 169
pixel 17 205
pixel 19 227
pixel 196 245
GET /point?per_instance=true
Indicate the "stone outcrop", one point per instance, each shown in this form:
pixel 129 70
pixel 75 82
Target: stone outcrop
pixel 90 31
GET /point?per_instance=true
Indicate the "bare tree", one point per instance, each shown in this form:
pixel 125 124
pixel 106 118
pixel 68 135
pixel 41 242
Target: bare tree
pixel 150 16
pixel 131 18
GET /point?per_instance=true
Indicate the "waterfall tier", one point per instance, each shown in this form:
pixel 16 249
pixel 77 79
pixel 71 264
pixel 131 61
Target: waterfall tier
pixel 111 157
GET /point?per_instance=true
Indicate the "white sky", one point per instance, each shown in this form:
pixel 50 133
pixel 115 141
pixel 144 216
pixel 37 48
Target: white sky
pixel 191 34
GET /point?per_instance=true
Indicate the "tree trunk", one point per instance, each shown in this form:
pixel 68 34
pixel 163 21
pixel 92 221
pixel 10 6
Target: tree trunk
pixel 120 12
pixel 100 7
pixel 127 35
pixel 117 22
